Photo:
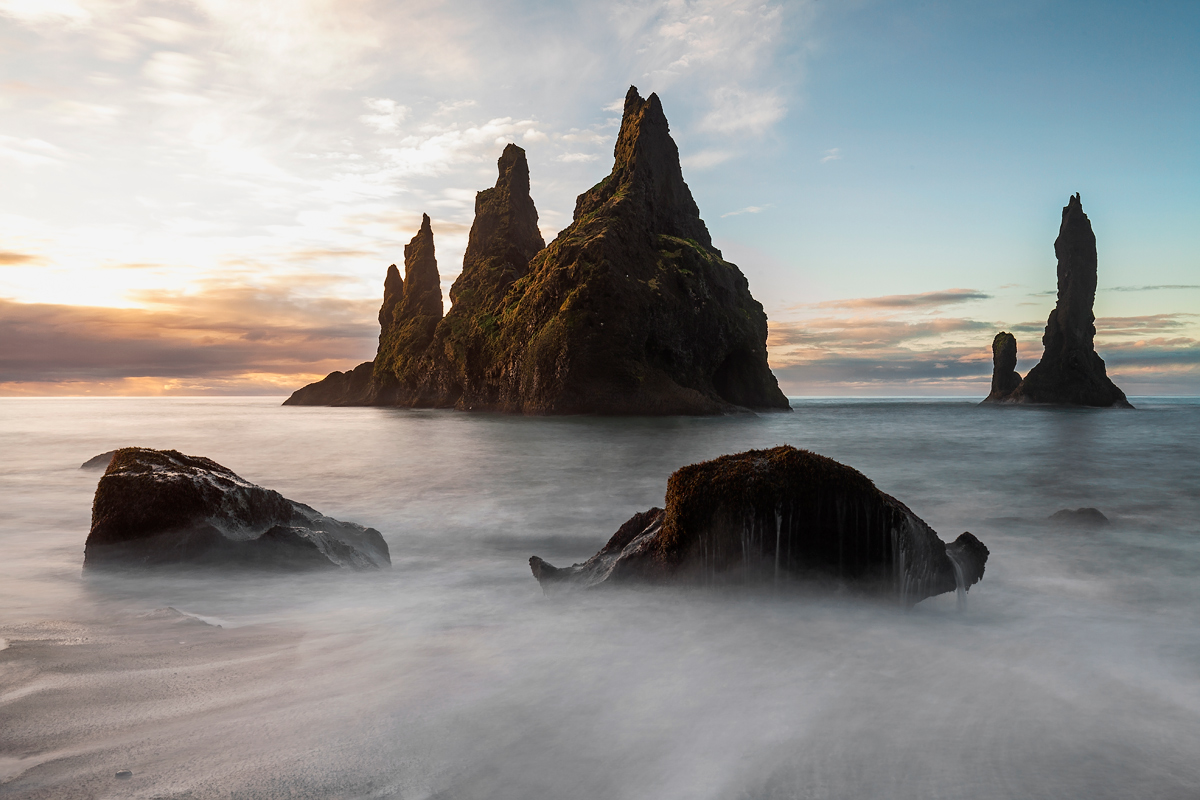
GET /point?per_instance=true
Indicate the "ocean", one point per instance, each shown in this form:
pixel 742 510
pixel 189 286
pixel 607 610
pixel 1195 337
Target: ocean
pixel 1073 671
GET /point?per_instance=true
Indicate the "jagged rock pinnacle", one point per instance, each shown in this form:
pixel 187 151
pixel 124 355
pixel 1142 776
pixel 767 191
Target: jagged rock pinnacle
pixel 422 284
pixel 1070 372
pixel 393 291
pixel 646 178
pixel 505 234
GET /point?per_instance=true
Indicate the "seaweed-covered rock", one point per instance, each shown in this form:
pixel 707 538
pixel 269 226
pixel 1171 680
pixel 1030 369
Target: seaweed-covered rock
pixel 1005 377
pixel 778 516
pixel 630 310
pixel 155 507
pixel 1070 372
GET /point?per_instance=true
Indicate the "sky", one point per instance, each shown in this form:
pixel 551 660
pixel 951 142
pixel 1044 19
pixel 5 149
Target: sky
pixel 202 197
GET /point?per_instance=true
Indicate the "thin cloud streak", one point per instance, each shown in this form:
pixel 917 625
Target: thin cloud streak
pixel 8 257
pixel 924 300
pixel 1182 286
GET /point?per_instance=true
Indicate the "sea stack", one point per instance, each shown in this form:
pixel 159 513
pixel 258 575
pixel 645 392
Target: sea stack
pixel 630 310
pixel 1005 377
pixel 1070 372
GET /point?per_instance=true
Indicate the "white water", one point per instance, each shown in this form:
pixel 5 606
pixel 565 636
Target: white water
pixel 1075 672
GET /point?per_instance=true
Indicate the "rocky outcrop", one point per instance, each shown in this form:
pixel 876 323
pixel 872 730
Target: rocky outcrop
pixel 99 463
pixel 1070 372
pixel 1005 377
pixel 630 310
pixel 354 387
pixel 779 516
pixel 158 507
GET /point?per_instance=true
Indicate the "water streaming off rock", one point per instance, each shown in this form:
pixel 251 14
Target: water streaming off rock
pixel 1074 672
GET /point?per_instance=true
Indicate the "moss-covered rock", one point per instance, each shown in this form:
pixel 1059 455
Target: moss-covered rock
pixel 779 516
pixel 630 310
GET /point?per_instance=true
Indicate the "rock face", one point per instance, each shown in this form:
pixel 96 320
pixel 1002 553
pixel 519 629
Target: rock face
pixel 778 516
pixel 1070 372
pixel 156 507
pixel 1005 377
pixel 630 310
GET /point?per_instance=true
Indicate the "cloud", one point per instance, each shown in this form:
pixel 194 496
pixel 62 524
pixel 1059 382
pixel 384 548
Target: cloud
pixel 30 152
pixel 8 258
pixel 576 158
pixel 746 210
pixel 450 107
pixel 388 114
pixel 223 334
pixel 45 11
pixel 1153 288
pixel 705 159
pixel 1146 325
pixel 925 300
pixel 735 110
pixel 576 136
pixel 832 155
pixel 173 70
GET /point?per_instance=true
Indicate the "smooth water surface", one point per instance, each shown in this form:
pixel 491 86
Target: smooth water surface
pixel 1074 671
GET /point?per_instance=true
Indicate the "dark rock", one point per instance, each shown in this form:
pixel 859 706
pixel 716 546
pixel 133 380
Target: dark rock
pixel 778 516
pixel 99 462
pixel 1005 377
pixel 393 292
pixel 416 310
pixel 155 507
pixel 630 310
pixel 1080 517
pixel 124 774
pixel 1071 372
pixel 350 388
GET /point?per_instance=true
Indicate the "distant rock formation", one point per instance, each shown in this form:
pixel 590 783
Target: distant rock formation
pixel 1005 377
pixel 100 462
pixel 1070 372
pixel 778 516
pixel 158 507
pixel 1080 517
pixel 630 310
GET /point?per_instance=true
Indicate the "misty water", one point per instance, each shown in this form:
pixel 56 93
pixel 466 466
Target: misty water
pixel 1073 671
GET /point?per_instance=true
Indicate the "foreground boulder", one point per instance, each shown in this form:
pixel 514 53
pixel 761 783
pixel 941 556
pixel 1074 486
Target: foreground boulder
pixel 774 517
pixel 1070 372
pixel 630 310
pixel 155 507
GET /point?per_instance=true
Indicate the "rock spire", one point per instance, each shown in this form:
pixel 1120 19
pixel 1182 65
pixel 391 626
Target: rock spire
pixel 1005 377
pixel 1070 372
